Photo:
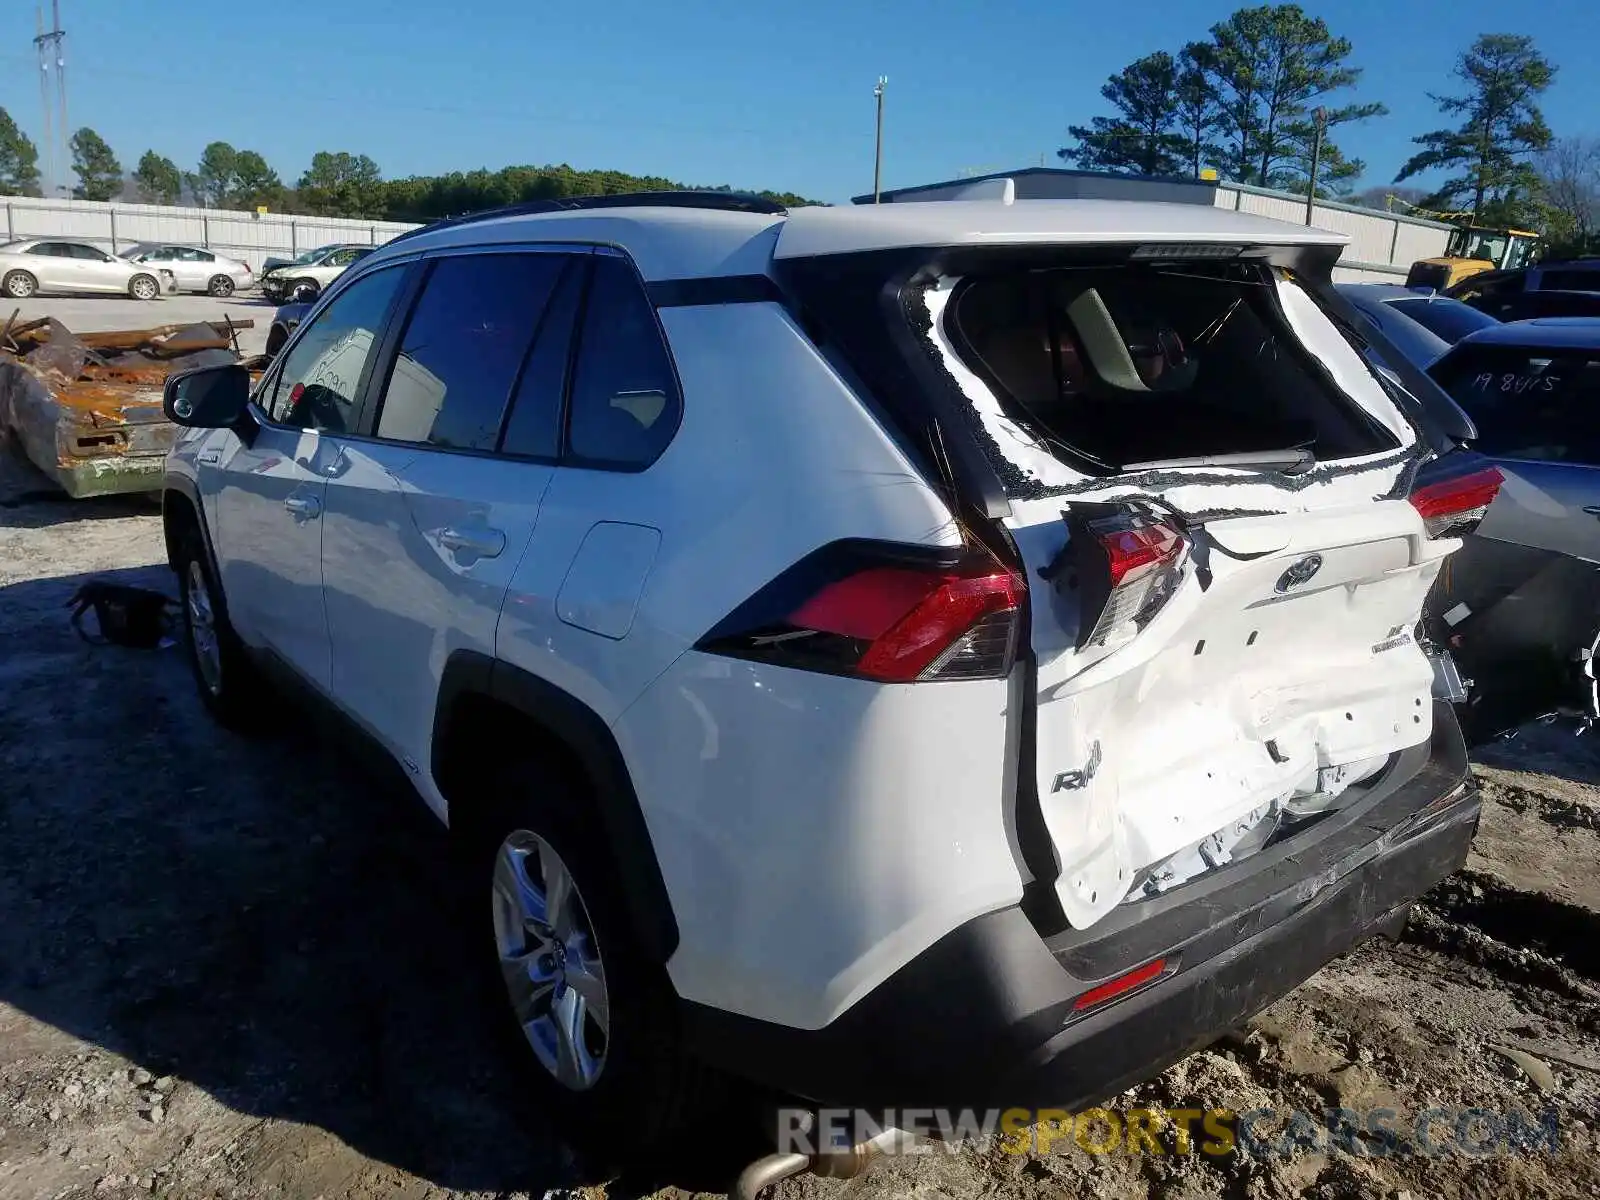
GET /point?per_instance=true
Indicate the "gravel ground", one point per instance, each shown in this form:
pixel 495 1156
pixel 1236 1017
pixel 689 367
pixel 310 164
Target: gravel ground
pixel 225 970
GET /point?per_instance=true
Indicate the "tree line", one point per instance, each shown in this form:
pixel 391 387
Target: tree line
pixel 336 184
pixel 1247 101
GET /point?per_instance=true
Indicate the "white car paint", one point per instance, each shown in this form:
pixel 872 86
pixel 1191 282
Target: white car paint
pixel 194 268
pixel 319 269
pixel 816 833
pixel 852 229
pixel 64 265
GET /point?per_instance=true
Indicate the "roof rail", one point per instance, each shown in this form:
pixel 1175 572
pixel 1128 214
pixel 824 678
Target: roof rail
pixel 719 201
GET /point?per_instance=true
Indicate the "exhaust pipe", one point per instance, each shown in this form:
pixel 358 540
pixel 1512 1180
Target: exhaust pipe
pixel 829 1164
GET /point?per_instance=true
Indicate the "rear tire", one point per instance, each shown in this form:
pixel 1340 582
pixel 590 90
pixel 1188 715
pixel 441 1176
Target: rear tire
pixel 644 1082
pixel 229 684
pixel 144 287
pixel 20 285
pixel 275 340
pixel 221 286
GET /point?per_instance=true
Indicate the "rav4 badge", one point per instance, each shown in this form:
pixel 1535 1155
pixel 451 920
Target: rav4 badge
pixel 1071 781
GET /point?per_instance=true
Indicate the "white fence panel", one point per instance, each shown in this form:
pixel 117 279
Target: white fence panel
pixel 247 235
pixel 1384 244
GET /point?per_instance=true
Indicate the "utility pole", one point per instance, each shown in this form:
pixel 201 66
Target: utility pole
pixel 877 161
pixel 51 44
pixel 1319 125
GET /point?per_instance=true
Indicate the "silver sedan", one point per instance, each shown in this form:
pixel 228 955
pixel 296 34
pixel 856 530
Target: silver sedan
pixel 43 265
pixel 195 269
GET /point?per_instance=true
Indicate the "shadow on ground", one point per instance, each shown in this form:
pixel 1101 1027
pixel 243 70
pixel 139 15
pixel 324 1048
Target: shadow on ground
pixel 1550 749
pixel 252 916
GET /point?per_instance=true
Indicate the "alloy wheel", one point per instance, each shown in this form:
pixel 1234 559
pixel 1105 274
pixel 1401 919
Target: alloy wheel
pixel 550 961
pixel 203 628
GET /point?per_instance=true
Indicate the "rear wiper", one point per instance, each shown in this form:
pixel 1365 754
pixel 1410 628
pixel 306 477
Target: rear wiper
pixel 1290 461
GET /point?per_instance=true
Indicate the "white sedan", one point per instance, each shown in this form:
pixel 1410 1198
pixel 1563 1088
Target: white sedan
pixel 196 270
pixel 40 265
pixel 311 272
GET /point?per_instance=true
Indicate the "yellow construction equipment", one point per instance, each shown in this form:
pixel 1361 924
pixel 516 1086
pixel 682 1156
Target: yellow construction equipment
pixel 1472 250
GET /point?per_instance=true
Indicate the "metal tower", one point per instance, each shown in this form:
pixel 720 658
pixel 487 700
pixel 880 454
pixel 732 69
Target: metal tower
pixel 51 44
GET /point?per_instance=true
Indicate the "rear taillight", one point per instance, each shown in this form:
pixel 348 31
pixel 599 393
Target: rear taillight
pixel 1124 567
pixel 1454 505
pixel 884 612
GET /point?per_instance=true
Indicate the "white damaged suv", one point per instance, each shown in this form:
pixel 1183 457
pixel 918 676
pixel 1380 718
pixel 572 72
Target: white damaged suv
pixel 953 653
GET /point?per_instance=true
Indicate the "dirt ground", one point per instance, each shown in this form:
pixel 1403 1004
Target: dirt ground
pixel 225 970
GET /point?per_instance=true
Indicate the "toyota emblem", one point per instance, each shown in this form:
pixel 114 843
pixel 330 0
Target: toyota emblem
pixel 1300 572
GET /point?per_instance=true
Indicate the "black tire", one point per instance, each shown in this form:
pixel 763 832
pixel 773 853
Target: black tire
pixel 20 285
pixel 148 284
pixel 234 697
pixel 648 1084
pixel 275 340
pixel 220 286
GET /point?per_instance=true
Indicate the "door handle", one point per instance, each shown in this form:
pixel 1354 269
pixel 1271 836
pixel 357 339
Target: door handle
pixel 308 507
pixel 483 543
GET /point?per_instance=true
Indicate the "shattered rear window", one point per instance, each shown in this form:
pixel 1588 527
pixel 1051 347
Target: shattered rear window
pixel 1113 367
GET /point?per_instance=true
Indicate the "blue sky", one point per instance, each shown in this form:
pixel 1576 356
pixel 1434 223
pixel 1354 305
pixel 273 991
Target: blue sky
pixel 752 94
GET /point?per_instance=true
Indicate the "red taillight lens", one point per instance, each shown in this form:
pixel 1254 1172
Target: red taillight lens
pixel 902 621
pixel 962 629
pixel 1132 552
pixel 1455 506
pixel 1127 566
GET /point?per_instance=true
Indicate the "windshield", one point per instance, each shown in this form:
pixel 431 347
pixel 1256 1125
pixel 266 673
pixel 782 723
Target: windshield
pixel 1521 253
pixel 1449 319
pixel 311 256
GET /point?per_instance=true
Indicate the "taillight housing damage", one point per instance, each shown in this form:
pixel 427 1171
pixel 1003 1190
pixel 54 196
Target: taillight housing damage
pixel 1453 494
pixel 882 611
pixel 1125 564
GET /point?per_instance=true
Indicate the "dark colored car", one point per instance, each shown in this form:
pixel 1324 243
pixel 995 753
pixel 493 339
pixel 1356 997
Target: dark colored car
pixel 1519 605
pixel 284 321
pixel 1421 322
pixel 1527 306
pixel 1492 290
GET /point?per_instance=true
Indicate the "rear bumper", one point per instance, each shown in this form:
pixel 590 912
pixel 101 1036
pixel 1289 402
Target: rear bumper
pixel 985 1017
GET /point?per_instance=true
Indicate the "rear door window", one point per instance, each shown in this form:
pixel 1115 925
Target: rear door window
pixel 533 429
pixel 1116 367
pixel 1529 403
pixel 463 349
pixel 1570 281
pixel 625 401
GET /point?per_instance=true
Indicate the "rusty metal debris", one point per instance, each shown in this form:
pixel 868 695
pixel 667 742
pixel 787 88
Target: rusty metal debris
pixel 86 408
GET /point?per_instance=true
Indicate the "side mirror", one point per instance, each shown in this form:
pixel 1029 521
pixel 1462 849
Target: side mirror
pixel 304 294
pixel 208 397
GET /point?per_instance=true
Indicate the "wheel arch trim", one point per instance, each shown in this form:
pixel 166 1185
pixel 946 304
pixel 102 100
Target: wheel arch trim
pixel 580 730
pixel 185 487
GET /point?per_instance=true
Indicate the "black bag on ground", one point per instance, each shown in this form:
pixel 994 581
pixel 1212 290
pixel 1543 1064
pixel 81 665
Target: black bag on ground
pixel 126 616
